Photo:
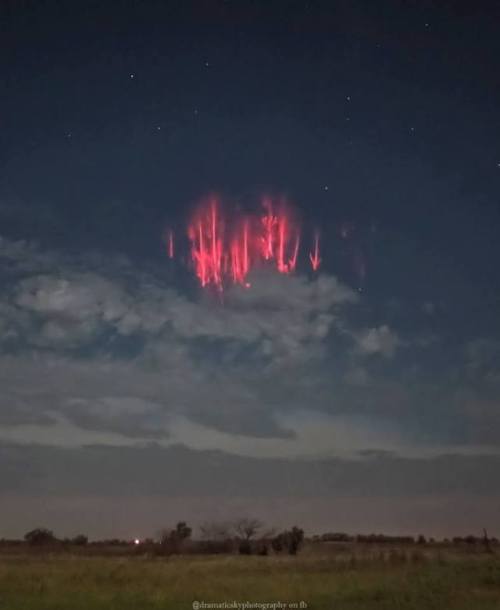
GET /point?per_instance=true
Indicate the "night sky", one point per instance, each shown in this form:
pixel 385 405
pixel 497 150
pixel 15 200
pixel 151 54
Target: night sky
pixel 364 397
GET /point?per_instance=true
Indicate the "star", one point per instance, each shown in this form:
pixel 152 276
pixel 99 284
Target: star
pixel 132 75
pixel 195 111
pixel 325 188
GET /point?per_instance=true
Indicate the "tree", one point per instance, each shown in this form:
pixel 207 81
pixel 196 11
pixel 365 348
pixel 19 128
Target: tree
pixel 246 529
pixel 80 540
pixel 486 541
pixel 172 540
pixel 294 540
pixel 278 542
pixel 182 531
pixel 40 536
pixel 289 540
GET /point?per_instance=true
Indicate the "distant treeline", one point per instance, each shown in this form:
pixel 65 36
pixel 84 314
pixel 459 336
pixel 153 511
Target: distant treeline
pixel 245 536
pixel 386 539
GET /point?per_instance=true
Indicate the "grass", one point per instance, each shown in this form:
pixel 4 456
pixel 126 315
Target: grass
pixel 401 581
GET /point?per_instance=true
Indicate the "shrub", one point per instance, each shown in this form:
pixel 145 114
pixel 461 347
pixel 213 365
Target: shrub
pixel 40 536
pixel 245 548
pixel 289 540
pixel 171 541
pixel 294 540
pixel 278 543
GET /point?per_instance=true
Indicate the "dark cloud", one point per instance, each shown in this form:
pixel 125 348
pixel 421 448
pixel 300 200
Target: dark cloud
pixel 181 471
pixel 158 486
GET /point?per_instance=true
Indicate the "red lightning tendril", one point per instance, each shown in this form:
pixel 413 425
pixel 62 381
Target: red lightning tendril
pixel 314 255
pixel 225 249
pixel 170 244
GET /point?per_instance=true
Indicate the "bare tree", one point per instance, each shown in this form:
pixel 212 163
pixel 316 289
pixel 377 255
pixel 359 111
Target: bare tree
pixel 486 541
pixel 247 529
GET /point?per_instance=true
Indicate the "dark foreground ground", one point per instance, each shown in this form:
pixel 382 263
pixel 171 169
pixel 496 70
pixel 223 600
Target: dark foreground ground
pixel 320 578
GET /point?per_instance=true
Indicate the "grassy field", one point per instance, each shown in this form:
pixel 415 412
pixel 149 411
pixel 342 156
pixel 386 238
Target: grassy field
pixel 389 581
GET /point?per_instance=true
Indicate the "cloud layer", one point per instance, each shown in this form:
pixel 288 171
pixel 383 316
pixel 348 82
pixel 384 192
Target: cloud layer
pixel 97 350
